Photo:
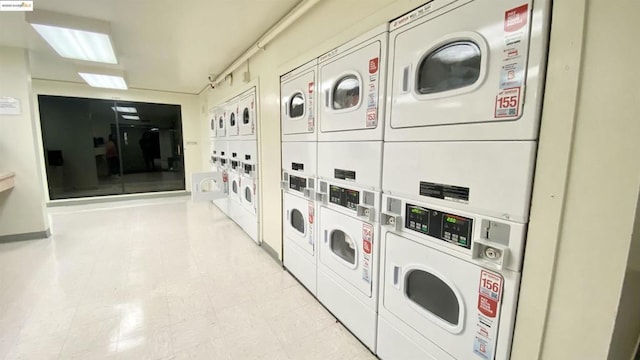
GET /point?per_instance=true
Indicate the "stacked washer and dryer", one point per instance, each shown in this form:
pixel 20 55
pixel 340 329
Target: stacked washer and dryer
pixel 233 138
pixel 332 173
pixel 464 101
pixel 440 214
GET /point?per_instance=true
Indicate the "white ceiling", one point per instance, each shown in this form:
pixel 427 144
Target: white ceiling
pixel 160 44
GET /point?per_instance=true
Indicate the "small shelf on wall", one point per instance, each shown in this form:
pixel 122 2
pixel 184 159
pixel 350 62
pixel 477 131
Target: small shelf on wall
pixel 6 180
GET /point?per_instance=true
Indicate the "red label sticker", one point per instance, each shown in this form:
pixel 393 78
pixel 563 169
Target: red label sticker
pixel 373 65
pixel 489 293
pixel 225 176
pixel 366 246
pixel 508 103
pixel 311 87
pixel 516 19
pixel 310 212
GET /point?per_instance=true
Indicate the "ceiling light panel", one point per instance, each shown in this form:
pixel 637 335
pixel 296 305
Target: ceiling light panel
pixel 104 81
pixel 131 117
pixel 125 109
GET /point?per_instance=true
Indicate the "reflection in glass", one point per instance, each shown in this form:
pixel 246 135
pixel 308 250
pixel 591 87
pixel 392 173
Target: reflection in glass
pixel 434 295
pixel 449 67
pixel 343 246
pixel 346 92
pixel 296 106
pixel 94 147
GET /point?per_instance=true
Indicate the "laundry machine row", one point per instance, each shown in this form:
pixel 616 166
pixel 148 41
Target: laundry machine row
pixel 235 119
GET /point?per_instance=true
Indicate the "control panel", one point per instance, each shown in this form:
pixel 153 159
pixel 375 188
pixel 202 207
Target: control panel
pixel 297 183
pixel 452 228
pixel 344 197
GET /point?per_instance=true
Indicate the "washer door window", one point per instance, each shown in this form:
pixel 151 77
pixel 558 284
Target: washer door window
pixel 456 71
pixel 221 128
pixel 233 121
pixel 296 118
pixel 246 114
pixel 433 295
pixel 247 195
pixel 349 97
pixel 341 249
pixel 296 228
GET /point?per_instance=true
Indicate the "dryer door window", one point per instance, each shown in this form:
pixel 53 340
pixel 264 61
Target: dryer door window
pixel 245 116
pixel 297 221
pixel 343 246
pixel 346 93
pixel 449 67
pixel 433 295
pixel 296 106
pixel 247 195
pixel 234 187
pixel 232 119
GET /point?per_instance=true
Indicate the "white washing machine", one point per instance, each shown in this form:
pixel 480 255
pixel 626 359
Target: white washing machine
pixel 249 189
pixel 297 98
pixel 449 282
pixel 299 209
pixel 348 258
pixel 220 164
pixel 467 70
pixel 356 162
pixel 221 121
pixel 231 113
pixel 352 89
pixel 236 211
pixel 247 120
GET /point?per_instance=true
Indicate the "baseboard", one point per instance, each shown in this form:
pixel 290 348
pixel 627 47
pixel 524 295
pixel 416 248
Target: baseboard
pixel 38 235
pixel 269 250
pixel 111 198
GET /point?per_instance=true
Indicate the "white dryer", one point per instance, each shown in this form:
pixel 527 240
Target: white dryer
pixel 236 211
pixel 231 112
pixel 213 112
pixel 299 209
pixel 219 157
pixel 247 120
pixel 249 189
pixel 449 282
pixel 348 256
pixel 467 70
pixel 353 163
pixel 297 98
pixel 352 87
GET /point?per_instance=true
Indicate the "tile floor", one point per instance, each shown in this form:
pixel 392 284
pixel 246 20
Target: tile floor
pixel 157 279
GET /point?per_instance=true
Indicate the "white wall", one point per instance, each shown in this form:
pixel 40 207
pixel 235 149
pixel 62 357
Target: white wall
pixel 191 120
pixel 22 208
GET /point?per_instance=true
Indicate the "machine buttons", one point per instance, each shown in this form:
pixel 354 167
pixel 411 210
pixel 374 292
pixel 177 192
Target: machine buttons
pixel 344 197
pixel 451 228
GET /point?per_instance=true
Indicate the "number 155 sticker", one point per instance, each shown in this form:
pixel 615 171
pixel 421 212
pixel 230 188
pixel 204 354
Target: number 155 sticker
pixel 508 103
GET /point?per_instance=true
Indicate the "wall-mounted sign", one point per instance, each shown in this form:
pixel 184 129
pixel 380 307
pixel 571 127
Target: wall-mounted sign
pixel 9 106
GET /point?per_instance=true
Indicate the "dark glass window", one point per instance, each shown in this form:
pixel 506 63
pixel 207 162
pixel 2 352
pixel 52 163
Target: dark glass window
pixel 247 194
pixel 296 105
pixel 232 119
pixel 346 92
pixel 221 122
pixel 234 187
pixel 343 246
pixel 297 220
pixel 245 116
pixel 433 295
pixel 449 67
pixel 213 124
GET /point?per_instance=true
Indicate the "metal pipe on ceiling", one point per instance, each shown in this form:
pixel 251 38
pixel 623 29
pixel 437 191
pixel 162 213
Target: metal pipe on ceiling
pixel 271 34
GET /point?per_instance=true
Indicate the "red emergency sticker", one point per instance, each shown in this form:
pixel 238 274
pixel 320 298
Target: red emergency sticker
pixel 225 176
pixel 373 65
pixel 515 19
pixel 311 87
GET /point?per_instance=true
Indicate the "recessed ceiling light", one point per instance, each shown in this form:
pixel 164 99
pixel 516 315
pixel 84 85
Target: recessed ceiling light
pixel 74 37
pixel 104 81
pixel 131 117
pixel 125 109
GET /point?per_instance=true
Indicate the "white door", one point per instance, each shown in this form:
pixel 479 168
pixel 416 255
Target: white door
pixel 247 115
pixel 248 194
pixel 466 65
pixel 298 222
pixel 350 85
pixel 297 93
pixel 344 242
pixel 232 118
pixel 454 304
pixel 208 186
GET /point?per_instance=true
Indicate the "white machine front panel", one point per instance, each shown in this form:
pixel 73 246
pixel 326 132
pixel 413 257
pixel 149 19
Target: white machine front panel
pixel 235 156
pixel 491 178
pixel 351 162
pixel 213 113
pixel 248 194
pixel 234 188
pixel 247 119
pixel 249 158
pixel 300 158
pixel 346 248
pixel 352 79
pixel 297 98
pixel 231 111
pixel 453 304
pixel 299 228
pixel 462 71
